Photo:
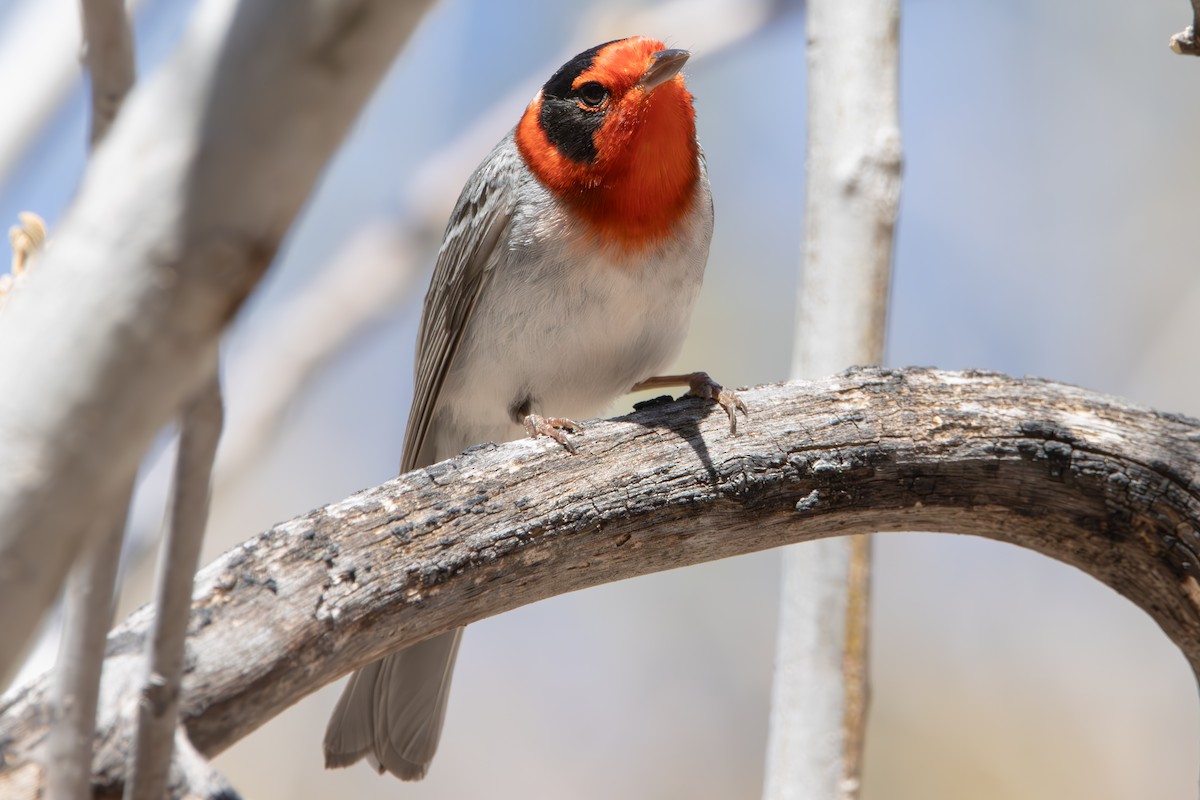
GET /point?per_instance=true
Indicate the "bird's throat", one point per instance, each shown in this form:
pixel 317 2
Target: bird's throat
pixel 643 180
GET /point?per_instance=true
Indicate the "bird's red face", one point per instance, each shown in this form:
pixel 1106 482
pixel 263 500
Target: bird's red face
pixel 613 133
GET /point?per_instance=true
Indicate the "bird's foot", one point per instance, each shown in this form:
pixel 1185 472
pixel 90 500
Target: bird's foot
pixel 554 427
pixel 702 386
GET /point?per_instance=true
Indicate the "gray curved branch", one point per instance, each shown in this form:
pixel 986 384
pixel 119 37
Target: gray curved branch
pixel 1109 487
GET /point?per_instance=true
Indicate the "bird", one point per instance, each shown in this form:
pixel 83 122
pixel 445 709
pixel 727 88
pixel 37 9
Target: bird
pixel 566 278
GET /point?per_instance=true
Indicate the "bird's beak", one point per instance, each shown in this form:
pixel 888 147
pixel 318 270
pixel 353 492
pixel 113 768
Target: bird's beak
pixel 664 65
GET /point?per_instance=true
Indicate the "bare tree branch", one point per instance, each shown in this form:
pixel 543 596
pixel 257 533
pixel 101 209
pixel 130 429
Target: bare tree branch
pixel 1185 42
pixel 1109 487
pixel 367 279
pixel 88 613
pixel 179 215
pixel 852 192
pixel 158 706
pixel 88 602
pixel 108 55
pixel 39 68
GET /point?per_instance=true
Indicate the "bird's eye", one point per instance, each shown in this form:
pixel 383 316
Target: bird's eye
pixel 592 94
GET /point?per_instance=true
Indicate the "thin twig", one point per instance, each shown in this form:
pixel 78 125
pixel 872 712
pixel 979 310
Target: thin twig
pixel 158 705
pixel 108 48
pixel 109 57
pixel 88 609
pixel 39 69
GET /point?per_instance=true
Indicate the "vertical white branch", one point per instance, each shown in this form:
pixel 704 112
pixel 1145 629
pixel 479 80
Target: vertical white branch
pixel 88 600
pixel 853 183
pixel 853 186
pixel 158 705
pixel 108 56
pixel 88 609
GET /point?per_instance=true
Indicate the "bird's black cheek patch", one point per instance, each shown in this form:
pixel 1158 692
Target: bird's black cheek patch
pixel 571 129
pixel 567 126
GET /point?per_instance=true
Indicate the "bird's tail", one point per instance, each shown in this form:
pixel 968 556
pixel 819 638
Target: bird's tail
pixel 391 712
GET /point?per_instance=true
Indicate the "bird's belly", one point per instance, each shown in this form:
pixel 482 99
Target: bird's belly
pixel 564 337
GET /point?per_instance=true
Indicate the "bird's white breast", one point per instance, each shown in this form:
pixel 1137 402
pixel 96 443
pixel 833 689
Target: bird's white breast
pixel 567 323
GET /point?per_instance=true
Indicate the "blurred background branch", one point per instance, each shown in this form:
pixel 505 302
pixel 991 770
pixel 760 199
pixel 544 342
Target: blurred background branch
pixel 39 60
pixel 117 345
pixel 88 598
pixel 150 757
pixel 1042 465
pixel 371 275
pixel 852 193
pixel 87 615
pixel 108 57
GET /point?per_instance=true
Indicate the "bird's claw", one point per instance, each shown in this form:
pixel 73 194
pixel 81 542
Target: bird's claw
pixel 537 425
pixel 702 386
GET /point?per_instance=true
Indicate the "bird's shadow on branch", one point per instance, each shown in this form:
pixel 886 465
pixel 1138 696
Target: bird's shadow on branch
pixel 687 413
pixel 676 416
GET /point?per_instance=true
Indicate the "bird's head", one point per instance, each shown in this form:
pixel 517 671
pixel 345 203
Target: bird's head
pixel 613 133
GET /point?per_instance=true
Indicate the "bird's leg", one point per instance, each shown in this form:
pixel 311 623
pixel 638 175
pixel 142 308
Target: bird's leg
pixel 702 386
pixel 537 425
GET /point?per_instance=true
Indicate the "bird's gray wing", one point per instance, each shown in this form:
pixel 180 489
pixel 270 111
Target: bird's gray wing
pixel 472 244
pixel 391 711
